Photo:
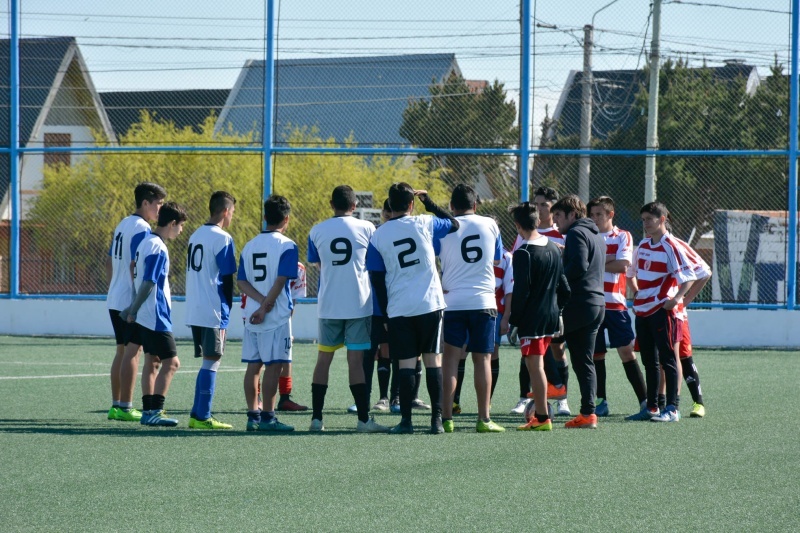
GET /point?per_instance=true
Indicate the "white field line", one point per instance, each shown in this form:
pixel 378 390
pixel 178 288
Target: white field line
pixel 105 374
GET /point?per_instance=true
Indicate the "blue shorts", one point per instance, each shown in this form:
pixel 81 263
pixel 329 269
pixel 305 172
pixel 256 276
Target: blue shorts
pixel 620 331
pixel 497 334
pixel 475 328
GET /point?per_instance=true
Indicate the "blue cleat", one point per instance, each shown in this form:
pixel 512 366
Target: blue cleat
pixel 602 408
pixel 157 418
pixel 644 414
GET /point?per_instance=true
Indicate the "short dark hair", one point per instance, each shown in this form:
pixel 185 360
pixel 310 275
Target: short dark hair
pixel 386 205
pixel 343 198
pixel 400 195
pixel 655 208
pixel 148 191
pixel 220 201
pixel 171 211
pixel 549 193
pixel 463 197
pixel 606 202
pixel 526 215
pixel 276 208
pixel 570 204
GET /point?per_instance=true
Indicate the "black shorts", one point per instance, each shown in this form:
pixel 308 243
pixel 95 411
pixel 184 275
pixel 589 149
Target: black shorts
pixel 378 333
pixel 207 341
pixel 410 336
pixel 158 343
pixel 133 333
pixel 119 325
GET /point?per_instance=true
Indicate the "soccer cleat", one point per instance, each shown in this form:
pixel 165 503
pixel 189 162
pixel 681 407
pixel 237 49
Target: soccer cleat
pixel 129 415
pixel 352 409
pixel 448 426
pixel 420 405
pixel 456 408
pixel 489 427
pixel 395 407
pixel 211 423
pixel 643 414
pixel 157 418
pixel 252 425
pixel 316 425
pixel 382 405
pixel 698 411
pixel 583 422
pixel 602 408
pixel 274 426
pixel 436 425
pixel 556 393
pixel 562 408
pixel 534 425
pixel 287 404
pixel 113 413
pixel 370 426
pixel 520 407
pixel 670 414
pixel 405 427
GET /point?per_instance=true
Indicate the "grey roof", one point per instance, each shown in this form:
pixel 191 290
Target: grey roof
pixel 184 108
pixel 365 96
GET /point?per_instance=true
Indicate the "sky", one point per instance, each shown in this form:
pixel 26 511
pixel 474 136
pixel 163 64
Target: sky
pixel 180 44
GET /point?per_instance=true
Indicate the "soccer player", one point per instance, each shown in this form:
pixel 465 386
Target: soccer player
pixel 210 265
pixel 127 236
pixel 339 245
pixel 402 265
pixel 617 321
pixel 663 276
pixel 540 291
pixel 151 311
pixel 584 266
pixel 266 264
pixel 468 256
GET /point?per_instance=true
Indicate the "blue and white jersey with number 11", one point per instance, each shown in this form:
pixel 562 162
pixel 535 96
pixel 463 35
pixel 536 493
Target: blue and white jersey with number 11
pixel 339 245
pixel 127 236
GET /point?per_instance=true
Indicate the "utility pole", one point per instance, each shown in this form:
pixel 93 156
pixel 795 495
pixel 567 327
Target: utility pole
pixel 586 113
pixel 652 107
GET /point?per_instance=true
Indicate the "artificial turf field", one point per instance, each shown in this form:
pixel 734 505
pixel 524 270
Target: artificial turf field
pixel 68 468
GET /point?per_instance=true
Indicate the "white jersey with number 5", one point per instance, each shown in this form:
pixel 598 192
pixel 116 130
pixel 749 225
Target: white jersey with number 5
pixel 403 248
pixel 339 245
pixel 210 255
pixel 468 257
pixel 127 236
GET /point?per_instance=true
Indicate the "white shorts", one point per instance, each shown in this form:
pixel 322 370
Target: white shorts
pixel 268 347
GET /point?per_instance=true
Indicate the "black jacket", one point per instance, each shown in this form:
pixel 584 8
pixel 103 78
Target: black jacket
pixel 584 266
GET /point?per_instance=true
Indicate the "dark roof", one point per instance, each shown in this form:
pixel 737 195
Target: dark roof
pixel 182 108
pixel 613 95
pixel 362 95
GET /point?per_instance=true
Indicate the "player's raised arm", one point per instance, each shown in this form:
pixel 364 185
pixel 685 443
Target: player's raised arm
pixel 431 207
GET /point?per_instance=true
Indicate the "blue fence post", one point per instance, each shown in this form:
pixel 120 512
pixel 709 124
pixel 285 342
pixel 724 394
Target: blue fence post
pixel 267 138
pixel 13 155
pixel 791 275
pixel 525 87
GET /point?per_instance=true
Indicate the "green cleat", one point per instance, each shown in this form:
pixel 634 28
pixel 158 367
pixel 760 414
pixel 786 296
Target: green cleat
pixel 274 426
pixel 129 415
pixel 488 427
pixel 211 423
pixel 252 425
pixel 113 413
pixel 448 426
pixel 698 411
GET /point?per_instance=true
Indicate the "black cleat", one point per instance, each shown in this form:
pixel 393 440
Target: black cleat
pixel 405 427
pixel 436 425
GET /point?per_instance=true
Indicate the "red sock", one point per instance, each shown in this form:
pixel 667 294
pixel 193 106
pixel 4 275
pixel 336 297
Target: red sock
pixel 285 385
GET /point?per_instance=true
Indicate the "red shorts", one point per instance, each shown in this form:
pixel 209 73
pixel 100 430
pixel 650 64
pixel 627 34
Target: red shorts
pixel 685 338
pixel 531 346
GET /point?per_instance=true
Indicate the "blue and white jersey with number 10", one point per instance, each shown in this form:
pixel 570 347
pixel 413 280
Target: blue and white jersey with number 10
pixel 403 248
pixel 267 256
pixel 152 264
pixel 127 236
pixel 210 255
pixel 339 245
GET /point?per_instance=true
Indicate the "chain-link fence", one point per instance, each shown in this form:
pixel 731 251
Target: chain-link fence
pixel 370 94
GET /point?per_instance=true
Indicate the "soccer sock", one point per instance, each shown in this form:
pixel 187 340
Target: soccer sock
pixel 368 364
pixel 495 375
pixel 158 402
pixel 524 379
pixel 563 371
pixel 361 398
pixel 661 399
pixel 395 386
pixel 551 369
pixel 284 386
pixel 542 418
pixel 317 400
pixel 433 379
pixel 692 379
pixel 634 373
pixel 127 406
pixel 459 380
pixel 254 416
pixel 115 403
pixel 147 402
pixel 204 389
pixel 417 378
pixel 405 382
pixel 267 416
pixel 384 373
pixel 600 371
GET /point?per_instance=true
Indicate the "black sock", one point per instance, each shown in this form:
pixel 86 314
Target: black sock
pixel 384 373
pixel 433 379
pixel 317 400
pixel 395 386
pixel 563 371
pixel 551 368
pixel 361 398
pixel 661 400
pixel 368 362
pixel 417 378
pixel 283 398
pixel 459 380
pixel 524 379
pixel 158 402
pixel 634 373
pixel 495 375
pixel 542 418
pixel 405 382
pixel 255 416
pixel 692 379
pixel 600 371
pixel 147 402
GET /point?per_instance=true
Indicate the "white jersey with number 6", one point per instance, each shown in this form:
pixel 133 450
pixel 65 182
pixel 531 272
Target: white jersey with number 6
pixel 210 255
pixel 127 236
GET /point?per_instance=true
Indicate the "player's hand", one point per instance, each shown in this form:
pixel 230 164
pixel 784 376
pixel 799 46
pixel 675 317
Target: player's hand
pixel 258 316
pixel 513 336
pixel 504 325
pixel 422 195
pixel 127 316
pixel 560 326
pixel 670 304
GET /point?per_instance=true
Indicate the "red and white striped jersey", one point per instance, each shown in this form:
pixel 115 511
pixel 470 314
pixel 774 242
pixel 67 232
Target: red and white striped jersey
pixel 700 269
pixel 618 245
pixel 659 268
pixel 503 280
pixel 551 233
pixel 297 287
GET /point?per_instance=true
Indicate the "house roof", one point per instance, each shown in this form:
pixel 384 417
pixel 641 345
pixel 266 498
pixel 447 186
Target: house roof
pixel 365 96
pixel 184 108
pixel 613 95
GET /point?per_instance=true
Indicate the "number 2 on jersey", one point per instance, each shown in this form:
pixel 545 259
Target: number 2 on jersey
pixel 403 255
